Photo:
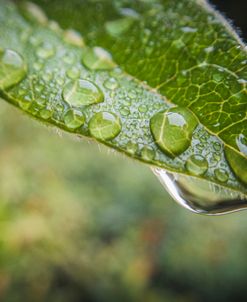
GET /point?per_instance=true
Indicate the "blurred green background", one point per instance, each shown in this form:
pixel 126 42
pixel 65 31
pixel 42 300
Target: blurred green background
pixel 80 223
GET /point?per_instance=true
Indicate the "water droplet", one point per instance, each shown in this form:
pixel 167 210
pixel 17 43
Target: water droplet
pixel 238 164
pixel 187 29
pixel 25 102
pixel 147 153
pixel 74 38
pixel 46 113
pixel 209 49
pixel 172 130
pixel 81 93
pixel 118 27
pixel 73 73
pixel 34 13
pixel 46 51
pixel 217 146
pixel 131 148
pixel 124 111
pixel 111 84
pixel 105 126
pixel 201 196
pixel 143 108
pixel 197 165
pixel 12 68
pixel 97 58
pixel 221 175
pixel 74 119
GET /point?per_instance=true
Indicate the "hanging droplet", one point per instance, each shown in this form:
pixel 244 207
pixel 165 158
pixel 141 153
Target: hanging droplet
pixel 172 130
pixel 201 196
pixel 221 175
pixel 118 27
pixel 238 164
pixel 97 58
pixel 105 126
pixel 74 119
pixel 111 84
pixel 196 165
pixel 12 68
pixel 81 93
pixel 147 153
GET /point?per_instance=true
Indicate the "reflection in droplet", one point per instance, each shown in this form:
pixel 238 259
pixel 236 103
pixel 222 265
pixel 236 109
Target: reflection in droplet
pixel 172 130
pixel 200 196
pixel 105 126
pixel 81 93
pixel 12 68
pixel 97 58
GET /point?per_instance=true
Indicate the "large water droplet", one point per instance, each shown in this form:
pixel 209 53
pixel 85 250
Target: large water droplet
pixel 196 165
pixel 12 68
pixel 105 126
pixel 238 164
pixel 172 130
pixel 81 93
pixel 74 119
pixel 201 196
pixel 97 58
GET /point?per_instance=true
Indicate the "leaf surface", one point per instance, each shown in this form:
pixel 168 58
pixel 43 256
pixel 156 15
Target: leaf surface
pixel 115 70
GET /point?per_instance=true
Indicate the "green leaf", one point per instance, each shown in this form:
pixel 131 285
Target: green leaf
pixel 115 70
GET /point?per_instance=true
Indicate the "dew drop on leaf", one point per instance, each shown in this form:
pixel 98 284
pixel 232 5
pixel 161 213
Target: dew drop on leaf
pixel 172 130
pixel 12 68
pixel 97 58
pixel 237 163
pixel 105 126
pixel 118 27
pixel 73 73
pixel 46 113
pixel 131 147
pixel 111 84
pixel 147 153
pixel 221 175
pixel 196 165
pixel 45 51
pixel 80 93
pixel 74 119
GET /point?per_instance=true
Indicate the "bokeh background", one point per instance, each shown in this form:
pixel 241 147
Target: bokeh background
pixel 80 223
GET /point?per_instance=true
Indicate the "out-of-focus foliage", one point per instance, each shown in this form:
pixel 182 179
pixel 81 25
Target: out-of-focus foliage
pixel 76 226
